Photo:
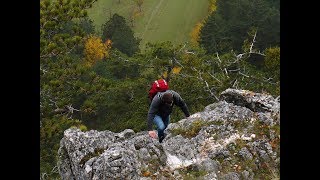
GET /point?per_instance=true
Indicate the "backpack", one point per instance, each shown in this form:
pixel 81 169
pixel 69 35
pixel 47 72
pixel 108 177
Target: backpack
pixel 159 85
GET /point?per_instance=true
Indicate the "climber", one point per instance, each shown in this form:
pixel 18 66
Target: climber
pixel 160 110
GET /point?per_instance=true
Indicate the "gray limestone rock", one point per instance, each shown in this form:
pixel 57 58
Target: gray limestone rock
pixel 225 131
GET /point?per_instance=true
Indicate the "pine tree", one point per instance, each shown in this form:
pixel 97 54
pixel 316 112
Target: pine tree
pixel 121 35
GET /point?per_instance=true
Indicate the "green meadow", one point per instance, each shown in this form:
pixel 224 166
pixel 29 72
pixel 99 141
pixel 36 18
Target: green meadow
pixel 158 20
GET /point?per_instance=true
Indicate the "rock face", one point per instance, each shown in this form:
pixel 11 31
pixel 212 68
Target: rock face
pixel 235 138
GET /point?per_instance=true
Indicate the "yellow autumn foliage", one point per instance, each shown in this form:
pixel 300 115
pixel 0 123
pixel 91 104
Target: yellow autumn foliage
pixel 165 74
pixel 212 6
pixel 95 49
pixel 176 70
pixel 195 33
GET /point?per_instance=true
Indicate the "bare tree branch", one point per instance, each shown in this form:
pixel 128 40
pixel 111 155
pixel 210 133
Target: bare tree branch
pixel 176 61
pixel 43 70
pixel 215 78
pixel 234 70
pixel 259 53
pixel 182 47
pixel 252 51
pixel 235 84
pixel 218 57
pixel 71 109
pixel 225 70
pixel 131 95
pixel 189 52
pixel 243 74
pixel 211 93
pixel 207 87
pixel 253 41
pixel 239 56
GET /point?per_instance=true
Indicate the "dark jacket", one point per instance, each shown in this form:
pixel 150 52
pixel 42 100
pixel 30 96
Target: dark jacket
pixel 157 107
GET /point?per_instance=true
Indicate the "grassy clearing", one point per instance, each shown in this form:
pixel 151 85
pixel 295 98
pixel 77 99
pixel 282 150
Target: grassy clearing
pixel 159 20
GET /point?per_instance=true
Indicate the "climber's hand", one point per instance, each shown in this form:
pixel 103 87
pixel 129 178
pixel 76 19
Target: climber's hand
pixel 153 134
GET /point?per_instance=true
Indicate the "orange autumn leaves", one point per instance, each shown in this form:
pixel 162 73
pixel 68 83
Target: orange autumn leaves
pixel 95 49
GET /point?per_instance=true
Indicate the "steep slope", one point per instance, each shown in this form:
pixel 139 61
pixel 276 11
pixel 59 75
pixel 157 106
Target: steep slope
pixel 236 138
pixel 159 20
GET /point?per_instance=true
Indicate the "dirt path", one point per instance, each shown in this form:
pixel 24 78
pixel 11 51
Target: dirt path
pixel 151 17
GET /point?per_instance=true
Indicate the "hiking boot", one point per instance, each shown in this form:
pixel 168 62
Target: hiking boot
pixel 162 137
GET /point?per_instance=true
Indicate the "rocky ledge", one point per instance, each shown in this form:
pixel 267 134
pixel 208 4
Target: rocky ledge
pixel 235 138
